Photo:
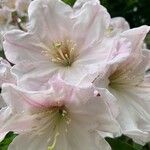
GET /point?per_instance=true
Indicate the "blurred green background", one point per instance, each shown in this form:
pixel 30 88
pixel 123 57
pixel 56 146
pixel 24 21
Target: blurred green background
pixel 136 12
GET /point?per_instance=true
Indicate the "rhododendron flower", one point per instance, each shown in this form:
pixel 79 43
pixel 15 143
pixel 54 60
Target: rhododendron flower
pixel 5 74
pixel 61 117
pixel 60 39
pixel 128 82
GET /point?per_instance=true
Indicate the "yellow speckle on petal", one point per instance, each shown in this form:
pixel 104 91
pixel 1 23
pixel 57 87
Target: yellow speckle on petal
pixel 109 31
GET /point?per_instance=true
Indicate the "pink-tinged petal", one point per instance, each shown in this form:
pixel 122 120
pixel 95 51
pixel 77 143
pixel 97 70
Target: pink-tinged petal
pixel 79 3
pixel 30 142
pixel 117 26
pixel 131 72
pixel 5 72
pixel 92 29
pixel 134 116
pixel 116 51
pixel 19 46
pixel 76 74
pixel 2 103
pixel 121 23
pixel 103 104
pixel 26 72
pixel 119 51
pixel 50 19
pixel 136 36
pixel 34 75
pixel 76 139
pixel 4 116
pixel 22 113
pixel 32 51
pixel 30 113
pixel 79 138
pixel 56 94
pixel 12 98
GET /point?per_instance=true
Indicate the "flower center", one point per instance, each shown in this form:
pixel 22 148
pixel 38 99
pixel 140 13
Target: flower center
pixel 62 52
pixel 61 124
pixel 64 116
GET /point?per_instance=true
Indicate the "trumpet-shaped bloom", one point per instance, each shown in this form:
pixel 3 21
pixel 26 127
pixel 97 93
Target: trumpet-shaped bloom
pixel 128 82
pixel 61 117
pixel 60 39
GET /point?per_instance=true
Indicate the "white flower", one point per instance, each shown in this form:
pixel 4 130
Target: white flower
pixel 61 117
pixel 61 40
pixel 128 82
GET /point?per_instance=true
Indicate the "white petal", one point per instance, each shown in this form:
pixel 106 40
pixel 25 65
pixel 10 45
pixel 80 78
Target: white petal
pixel 92 29
pixel 5 72
pixel 79 138
pixel 80 3
pixel 118 25
pixel 34 75
pixel 2 103
pixel 131 71
pixel 14 98
pixel 19 46
pixel 137 36
pixel 50 19
pixel 103 105
pixel 29 142
pixel 134 116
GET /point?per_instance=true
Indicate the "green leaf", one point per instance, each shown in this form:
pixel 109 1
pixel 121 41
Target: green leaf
pixel 2 54
pixel 69 2
pixel 117 144
pixel 8 139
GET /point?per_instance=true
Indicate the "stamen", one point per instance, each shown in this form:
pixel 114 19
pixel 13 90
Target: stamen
pixel 54 143
pixel 61 52
pixel 59 121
